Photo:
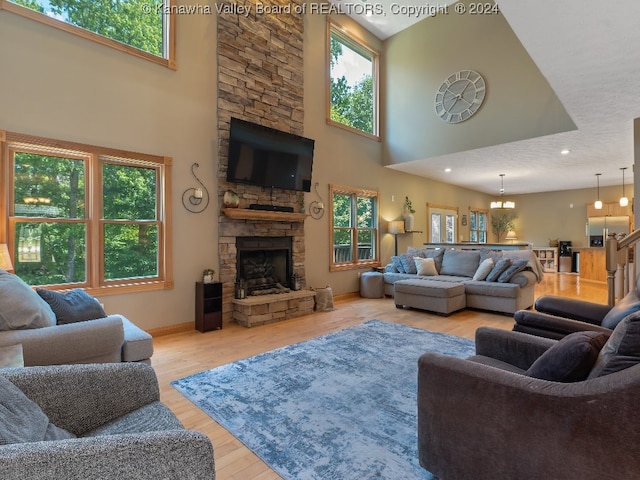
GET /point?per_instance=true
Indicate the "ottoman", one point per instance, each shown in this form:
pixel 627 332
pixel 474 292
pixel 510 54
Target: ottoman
pixel 372 285
pixel 434 296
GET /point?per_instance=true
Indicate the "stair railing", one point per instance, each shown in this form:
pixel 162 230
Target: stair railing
pixel 620 264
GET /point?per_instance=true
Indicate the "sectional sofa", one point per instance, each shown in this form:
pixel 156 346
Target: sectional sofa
pixel 496 280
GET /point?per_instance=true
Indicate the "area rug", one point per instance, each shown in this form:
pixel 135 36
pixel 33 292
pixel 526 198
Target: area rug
pixel 337 407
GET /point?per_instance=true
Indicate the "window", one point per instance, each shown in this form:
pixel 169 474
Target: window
pixel 144 28
pixel 478 226
pixel 354 228
pixel 353 84
pixel 85 216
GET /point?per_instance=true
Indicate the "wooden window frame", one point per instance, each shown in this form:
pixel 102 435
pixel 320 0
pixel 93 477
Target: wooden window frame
pixel 169 41
pixel 473 211
pixel 94 157
pixel 355 263
pixel 361 46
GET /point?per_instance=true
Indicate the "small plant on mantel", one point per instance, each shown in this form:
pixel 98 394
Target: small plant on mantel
pixel 408 206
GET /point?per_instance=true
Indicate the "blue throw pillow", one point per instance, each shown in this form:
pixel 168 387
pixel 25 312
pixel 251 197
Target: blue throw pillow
pixel 514 268
pixel 500 267
pixel 408 264
pixel 398 264
pixel 73 306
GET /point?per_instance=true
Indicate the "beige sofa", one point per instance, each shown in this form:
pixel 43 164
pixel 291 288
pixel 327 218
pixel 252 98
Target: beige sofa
pixel 460 266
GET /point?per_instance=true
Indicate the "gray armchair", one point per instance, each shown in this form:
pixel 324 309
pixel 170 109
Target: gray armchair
pixel 482 418
pixel 123 431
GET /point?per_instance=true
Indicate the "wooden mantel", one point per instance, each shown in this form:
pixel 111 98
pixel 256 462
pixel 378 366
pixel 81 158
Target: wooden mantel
pixel 267 215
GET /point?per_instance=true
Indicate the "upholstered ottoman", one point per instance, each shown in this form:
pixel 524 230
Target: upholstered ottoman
pixel 434 296
pixel 372 285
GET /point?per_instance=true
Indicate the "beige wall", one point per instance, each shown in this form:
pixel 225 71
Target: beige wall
pixel 57 85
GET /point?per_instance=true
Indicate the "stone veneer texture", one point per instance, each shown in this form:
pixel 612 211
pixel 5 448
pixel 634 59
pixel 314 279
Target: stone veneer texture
pixel 260 79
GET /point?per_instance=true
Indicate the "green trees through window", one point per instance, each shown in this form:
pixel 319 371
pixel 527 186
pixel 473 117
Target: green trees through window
pixel 81 217
pixel 352 83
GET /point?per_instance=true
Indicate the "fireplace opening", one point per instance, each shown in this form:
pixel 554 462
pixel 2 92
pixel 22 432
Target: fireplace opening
pixel 265 264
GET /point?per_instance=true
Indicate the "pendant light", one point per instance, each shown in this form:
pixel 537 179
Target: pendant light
pixel 502 203
pixel 624 201
pixel 598 203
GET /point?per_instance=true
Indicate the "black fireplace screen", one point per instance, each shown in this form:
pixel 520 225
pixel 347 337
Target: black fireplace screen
pixel 264 264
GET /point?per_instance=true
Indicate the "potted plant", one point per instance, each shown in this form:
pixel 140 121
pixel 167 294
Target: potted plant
pixel 408 215
pixel 502 222
pixel 207 275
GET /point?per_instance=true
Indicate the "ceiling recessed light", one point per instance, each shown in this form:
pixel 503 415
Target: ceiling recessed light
pixel 565 152
pixel 447 170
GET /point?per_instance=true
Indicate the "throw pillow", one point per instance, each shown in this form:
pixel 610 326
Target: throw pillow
pixel 408 264
pixel 622 350
pixel 416 252
pixel 569 360
pixel 629 304
pixel 73 306
pixel 461 263
pixel 499 267
pixel 515 267
pixel 484 269
pixel 395 260
pixel 425 266
pixel 21 420
pixel 20 306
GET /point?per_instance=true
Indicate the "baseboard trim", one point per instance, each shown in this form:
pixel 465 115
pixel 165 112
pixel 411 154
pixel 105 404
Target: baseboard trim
pixel 179 328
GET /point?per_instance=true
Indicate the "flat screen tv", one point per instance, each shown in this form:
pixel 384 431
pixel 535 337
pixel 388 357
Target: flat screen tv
pixel 268 157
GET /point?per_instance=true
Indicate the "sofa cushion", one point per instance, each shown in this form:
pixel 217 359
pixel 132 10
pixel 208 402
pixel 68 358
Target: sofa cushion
pixel 20 306
pixel 571 359
pixel 629 304
pixel 497 270
pixel 622 350
pixel 437 255
pixel 462 263
pixel 425 266
pixel 21 420
pixel 484 268
pixel 515 267
pixel 73 306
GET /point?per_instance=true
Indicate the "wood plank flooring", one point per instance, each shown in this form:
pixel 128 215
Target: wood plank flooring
pixel 182 354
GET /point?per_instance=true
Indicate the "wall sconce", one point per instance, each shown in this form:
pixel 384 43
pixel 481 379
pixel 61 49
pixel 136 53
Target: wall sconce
pixel 316 208
pixel 196 199
pixel 395 228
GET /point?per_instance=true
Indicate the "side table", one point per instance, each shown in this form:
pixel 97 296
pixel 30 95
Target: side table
pixel 11 356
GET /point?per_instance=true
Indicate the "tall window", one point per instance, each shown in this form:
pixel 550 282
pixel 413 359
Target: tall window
pixel 141 27
pixel 354 228
pixel 353 83
pixel 478 226
pixel 85 216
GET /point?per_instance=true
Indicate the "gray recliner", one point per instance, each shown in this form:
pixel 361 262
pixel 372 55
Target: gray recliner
pixel 483 419
pixel 123 431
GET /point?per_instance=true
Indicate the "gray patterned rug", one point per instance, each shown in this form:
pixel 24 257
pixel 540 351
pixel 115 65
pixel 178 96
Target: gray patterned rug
pixel 337 407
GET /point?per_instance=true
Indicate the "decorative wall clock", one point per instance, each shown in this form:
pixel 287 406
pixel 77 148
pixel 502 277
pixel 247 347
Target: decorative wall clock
pixel 460 96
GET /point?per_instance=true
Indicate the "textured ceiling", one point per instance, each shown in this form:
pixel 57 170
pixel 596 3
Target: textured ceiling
pixel 590 56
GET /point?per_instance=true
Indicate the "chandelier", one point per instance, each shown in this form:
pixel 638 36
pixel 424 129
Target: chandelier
pixel 502 203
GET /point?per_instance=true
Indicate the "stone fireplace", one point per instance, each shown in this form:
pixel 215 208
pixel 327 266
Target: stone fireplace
pixel 260 78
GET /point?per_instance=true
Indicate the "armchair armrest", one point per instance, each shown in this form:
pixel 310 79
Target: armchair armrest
pixel 573 308
pixel 92 341
pixel 183 454
pixel 469 412
pixel 515 348
pixel 109 391
pixel 550 326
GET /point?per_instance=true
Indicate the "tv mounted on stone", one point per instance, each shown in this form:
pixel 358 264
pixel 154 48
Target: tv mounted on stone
pixel 269 158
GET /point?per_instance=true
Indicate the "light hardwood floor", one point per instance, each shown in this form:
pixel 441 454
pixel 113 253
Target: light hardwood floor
pixel 182 354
